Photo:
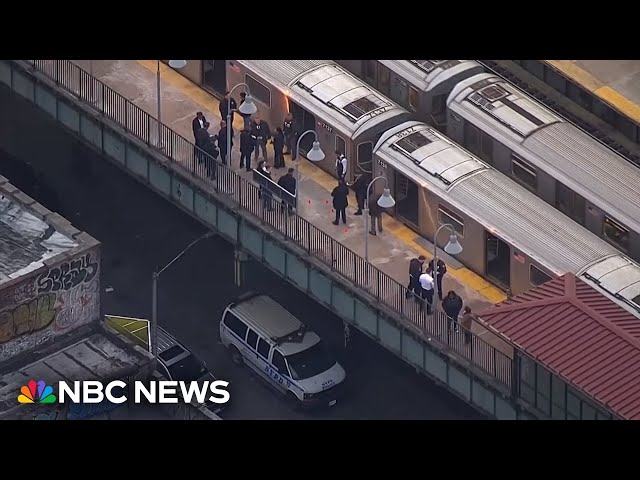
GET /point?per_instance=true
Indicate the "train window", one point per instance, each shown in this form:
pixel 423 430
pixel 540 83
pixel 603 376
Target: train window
pixel 537 277
pixel 369 71
pixel 524 172
pixel 365 157
pixel 535 67
pixel 384 79
pixel 439 104
pixel 258 90
pixel 341 146
pixel 486 147
pixel 414 98
pixel 554 79
pixel 472 138
pixel 570 203
pixel 616 233
pixel 447 216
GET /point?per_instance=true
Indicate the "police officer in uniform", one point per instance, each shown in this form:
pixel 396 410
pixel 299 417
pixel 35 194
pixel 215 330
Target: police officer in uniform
pixel 247 145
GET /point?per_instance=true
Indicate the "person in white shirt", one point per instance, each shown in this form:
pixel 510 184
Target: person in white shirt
pixel 341 165
pixel 426 284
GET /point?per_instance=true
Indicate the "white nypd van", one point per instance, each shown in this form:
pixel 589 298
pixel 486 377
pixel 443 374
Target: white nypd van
pixel 263 335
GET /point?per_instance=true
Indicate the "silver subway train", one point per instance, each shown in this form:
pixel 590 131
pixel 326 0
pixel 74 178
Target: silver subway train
pixel 509 236
pixel 554 159
pixel 346 114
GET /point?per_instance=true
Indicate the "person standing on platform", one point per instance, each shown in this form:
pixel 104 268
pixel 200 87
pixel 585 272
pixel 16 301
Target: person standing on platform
pixel 224 107
pixel 260 133
pixel 340 196
pixel 222 143
pixel 415 270
pixel 467 322
pixel 278 147
pixel 197 124
pixel 291 131
pixel 452 306
pixel 247 146
pixel 426 287
pixel 246 117
pixel 360 189
pixel 375 214
pixel 211 161
pixel 341 165
pixel 202 137
pixel 441 270
pixel 265 170
pixel 288 182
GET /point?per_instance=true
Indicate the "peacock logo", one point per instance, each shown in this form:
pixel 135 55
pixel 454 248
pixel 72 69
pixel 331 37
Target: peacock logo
pixel 36 392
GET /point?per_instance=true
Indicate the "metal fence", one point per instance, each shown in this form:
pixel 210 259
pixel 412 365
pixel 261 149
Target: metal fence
pixel 293 227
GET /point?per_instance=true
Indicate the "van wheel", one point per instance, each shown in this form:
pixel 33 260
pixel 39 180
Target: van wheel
pixel 292 401
pixel 236 356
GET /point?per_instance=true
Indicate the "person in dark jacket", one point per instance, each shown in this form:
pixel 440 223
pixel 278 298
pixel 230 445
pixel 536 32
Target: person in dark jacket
pixel 224 107
pixel 360 188
pixel 211 160
pixel 265 169
pixel 198 123
pixel 222 142
pixel 452 306
pixel 246 117
pixel 291 132
pixel 440 272
pixel 375 212
pixel 288 182
pixel 340 196
pixel 246 149
pixel 261 133
pixel 202 137
pixel 415 270
pixel 278 147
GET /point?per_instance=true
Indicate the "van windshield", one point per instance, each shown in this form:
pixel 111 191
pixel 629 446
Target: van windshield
pixel 189 369
pixel 310 362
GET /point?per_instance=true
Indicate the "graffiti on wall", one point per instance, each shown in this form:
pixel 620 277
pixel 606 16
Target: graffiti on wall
pixel 55 302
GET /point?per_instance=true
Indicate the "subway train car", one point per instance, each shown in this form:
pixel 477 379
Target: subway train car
pixel 509 236
pixel 346 114
pixel 550 157
pixel 420 86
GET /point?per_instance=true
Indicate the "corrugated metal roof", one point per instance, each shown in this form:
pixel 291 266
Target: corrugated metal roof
pixel 529 222
pixel 593 166
pixel 580 334
pixel 284 71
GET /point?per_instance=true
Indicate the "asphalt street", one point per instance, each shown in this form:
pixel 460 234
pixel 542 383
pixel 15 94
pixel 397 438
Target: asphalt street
pixel 139 230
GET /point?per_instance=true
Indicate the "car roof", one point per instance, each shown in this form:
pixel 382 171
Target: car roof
pixel 170 350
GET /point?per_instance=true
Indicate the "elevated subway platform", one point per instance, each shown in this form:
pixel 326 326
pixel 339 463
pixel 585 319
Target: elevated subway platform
pixel 375 301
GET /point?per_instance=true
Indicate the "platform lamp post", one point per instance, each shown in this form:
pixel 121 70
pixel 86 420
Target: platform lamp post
pixel 177 65
pixel 248 107
pixel 385 201
pixel 314 155
pixel 154 294
pixel 452 247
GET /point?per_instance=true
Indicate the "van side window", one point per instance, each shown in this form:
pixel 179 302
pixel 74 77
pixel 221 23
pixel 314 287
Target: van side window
pixel 236 325
pixel 263 348
pixel 252 339
pixel 279 363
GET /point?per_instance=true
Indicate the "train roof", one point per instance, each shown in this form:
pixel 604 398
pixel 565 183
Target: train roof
pixel 323 85
pixel 481 192
pixel 428 74
pixel 619 277
pixel 562 150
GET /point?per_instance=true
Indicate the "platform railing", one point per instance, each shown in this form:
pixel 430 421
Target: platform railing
pixel 292 226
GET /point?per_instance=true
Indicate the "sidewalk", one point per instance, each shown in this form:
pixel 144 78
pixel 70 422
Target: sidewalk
pixel 391 251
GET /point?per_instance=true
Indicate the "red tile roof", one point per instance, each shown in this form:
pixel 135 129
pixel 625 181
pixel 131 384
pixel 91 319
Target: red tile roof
pixel 580 334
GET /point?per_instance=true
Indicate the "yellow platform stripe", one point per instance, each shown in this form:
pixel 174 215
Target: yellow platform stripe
pixel 403 233
pixel 605 93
